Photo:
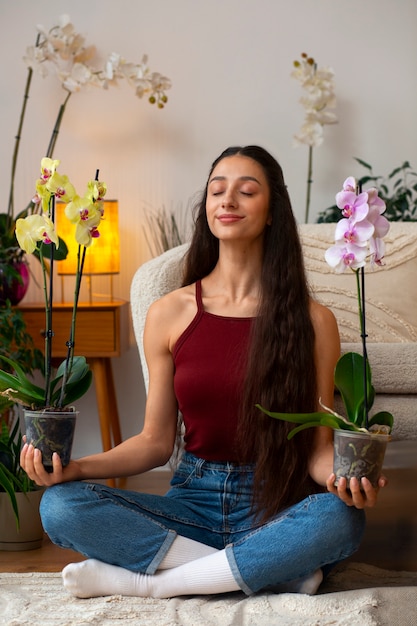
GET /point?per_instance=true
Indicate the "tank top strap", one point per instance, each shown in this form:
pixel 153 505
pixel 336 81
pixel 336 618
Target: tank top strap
pixel 199 297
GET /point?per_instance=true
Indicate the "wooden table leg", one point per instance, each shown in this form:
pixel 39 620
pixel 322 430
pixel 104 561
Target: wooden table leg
pixel 106 404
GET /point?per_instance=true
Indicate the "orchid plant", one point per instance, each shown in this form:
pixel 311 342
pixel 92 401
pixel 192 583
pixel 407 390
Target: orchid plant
pixel 358 237
pixel 320 97
pixel 38 232
pixel 61 51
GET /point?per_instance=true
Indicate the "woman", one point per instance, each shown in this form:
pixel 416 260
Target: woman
pixel 247 509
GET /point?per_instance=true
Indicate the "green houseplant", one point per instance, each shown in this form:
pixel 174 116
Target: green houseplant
pixel 359 236
pixel 398 190
pixel 16 344
pixel 15 486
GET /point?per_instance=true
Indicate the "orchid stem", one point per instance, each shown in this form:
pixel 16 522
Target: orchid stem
pixel 56 128
pixel 71 341
pixel 360 282
pixel 309 182
pixel 49 294
pixel 10 209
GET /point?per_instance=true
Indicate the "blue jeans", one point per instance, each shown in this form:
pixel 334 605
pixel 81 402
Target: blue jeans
pixel 209 502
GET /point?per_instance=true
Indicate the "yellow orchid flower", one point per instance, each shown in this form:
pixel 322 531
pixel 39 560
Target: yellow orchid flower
pixel 96 190
pixel 35 228
pixel 87 212
pixel 48 167
pixel 75 209
pixel 61 187
pixel 43 195
pixel 87 216
pixel 85 235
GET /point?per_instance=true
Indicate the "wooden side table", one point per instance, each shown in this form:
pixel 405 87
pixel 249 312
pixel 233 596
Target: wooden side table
pixel 102 332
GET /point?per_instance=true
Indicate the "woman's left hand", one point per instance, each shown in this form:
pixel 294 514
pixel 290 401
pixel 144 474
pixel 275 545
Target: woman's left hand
pixel 354 495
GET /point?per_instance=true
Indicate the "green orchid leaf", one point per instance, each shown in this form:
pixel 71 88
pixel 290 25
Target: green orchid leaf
pixel 349 381
pixel 295 418
pixel 328 420
pixel 310 420
pixel 79 368
pixel 20 391
pixel 15 366
pixel 75 390
pixel 60 253
pixel 383 418
pixel 19 375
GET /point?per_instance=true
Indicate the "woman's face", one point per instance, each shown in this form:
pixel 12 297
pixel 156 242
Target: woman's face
pixel 238 199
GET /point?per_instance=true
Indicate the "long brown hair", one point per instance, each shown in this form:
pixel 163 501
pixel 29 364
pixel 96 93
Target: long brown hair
pixel 281 374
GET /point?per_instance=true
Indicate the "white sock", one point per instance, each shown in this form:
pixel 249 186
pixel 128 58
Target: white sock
pixel 208 575
pixel 184 550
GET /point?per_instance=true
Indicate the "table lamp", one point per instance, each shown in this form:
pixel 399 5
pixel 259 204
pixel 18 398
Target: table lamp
pixel 103 256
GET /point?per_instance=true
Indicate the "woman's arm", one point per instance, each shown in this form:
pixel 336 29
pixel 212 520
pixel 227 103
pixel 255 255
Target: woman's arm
pixel 154 445
pixel 327 353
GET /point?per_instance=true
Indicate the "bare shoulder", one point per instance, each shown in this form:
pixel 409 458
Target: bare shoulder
pixel 327 334
pixel 322 317
pixel 172 302
pixel 170 315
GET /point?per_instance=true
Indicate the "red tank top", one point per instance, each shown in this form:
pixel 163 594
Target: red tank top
pixel 210 361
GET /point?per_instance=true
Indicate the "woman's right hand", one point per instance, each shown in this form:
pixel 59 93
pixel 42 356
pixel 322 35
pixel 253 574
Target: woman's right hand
pixel 31 462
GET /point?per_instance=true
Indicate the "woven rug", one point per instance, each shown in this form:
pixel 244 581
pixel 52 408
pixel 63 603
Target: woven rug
pixel 353 595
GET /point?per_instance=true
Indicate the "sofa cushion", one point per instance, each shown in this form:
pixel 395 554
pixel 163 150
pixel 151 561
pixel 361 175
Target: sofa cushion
pixel 394 365
pixel 390 290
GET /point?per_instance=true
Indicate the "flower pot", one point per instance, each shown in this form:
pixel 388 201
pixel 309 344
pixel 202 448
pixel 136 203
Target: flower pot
pixel 15 289
pixel 29 535
pixel 51 431
pixel 358 455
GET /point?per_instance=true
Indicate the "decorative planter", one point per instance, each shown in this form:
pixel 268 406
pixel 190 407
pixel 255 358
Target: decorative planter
pixel 359 455
pixel 29 535
pixel 51 431
pixel 15 290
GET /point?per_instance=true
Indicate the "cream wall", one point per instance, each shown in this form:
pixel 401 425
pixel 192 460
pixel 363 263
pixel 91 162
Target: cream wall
pixel 230 64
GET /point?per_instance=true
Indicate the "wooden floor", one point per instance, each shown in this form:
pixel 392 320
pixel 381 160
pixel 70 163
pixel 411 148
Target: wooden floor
pixel 390 539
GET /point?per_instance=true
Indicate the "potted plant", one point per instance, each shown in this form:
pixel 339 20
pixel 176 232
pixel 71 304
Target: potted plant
pixel 17 491
pixel 73 377
pixel 360 440
pixel 62 51
pixel 20 523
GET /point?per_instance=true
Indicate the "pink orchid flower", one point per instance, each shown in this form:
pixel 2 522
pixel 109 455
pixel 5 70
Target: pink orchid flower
pixel 349 231
pixel 343 255
pixel 349 184
pixel 353 206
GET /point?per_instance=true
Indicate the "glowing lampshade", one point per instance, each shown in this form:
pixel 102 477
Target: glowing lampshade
pixel 103 256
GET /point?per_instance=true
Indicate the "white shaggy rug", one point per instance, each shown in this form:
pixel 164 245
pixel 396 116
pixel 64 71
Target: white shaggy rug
pixel 354 595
